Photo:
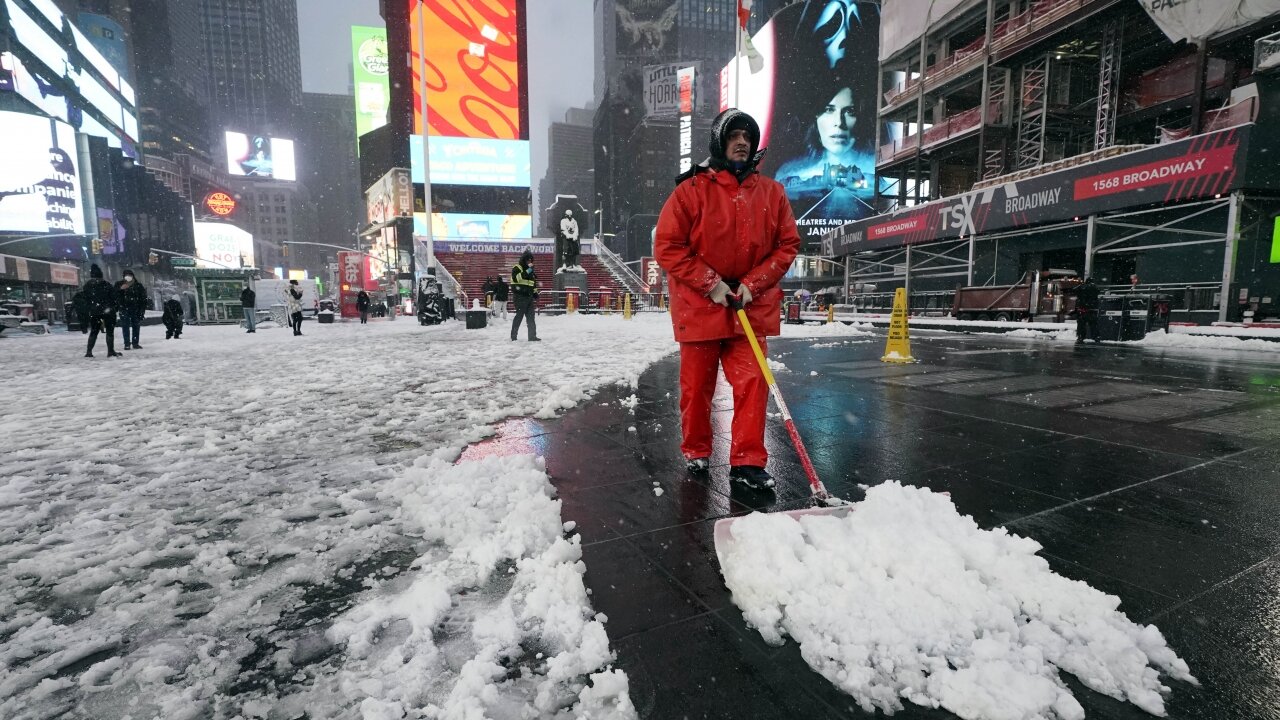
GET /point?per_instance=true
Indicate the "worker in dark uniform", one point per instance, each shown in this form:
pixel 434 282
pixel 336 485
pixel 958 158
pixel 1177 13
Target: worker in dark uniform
pixel 524 284
pixel 1087 311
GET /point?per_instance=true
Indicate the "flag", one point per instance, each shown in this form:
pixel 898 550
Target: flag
pixel 754 60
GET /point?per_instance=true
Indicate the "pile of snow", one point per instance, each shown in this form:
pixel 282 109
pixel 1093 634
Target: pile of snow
pixel 1207 342
pixel 905 599
pixel 827 330
pixel 1058 334
pixel 253 525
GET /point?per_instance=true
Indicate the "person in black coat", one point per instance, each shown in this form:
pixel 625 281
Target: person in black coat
pixel 501 293
pixel 249 306
pixel 172 318
pixel 133 306
pixel 80 306
pixel 1087 311
pixel 362 304
pixel 102 301
pixel 525 282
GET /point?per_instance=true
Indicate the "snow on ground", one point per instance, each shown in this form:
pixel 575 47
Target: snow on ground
pixel 246 526
pixel 905 599
pixel 1159 339
pixel 835 330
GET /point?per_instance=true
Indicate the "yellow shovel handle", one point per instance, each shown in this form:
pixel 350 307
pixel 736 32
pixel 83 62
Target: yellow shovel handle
pixel 755 346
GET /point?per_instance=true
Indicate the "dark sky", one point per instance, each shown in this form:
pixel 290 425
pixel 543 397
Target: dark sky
pixel 561 57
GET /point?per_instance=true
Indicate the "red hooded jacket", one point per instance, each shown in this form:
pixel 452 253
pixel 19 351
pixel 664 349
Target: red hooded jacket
pixel 712 228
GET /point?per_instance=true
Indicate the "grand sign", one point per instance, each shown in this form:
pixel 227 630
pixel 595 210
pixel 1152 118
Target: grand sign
pixel 1200 166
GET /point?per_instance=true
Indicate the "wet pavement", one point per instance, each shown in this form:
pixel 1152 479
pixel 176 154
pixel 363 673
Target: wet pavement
pixel 1153 475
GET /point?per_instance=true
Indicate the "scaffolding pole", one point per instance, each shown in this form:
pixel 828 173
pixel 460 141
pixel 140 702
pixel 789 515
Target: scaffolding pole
pixel 1104 134
pixel 1034 115
pixel 1229 255
pixel 1090 237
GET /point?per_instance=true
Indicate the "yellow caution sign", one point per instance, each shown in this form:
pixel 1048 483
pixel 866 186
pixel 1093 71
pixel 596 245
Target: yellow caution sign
pixel 626 306
pixel 570 301
pixel 898 348
pixel 831 313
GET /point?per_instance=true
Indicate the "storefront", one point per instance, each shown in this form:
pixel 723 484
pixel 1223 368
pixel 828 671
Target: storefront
pixel 38 289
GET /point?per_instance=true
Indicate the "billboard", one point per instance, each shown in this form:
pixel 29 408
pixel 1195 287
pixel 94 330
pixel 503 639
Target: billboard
pixel 110 232
pixel 468 226
pixel 69 63
pixel 222 245
pixel 662 88
pixel 107 36
pixel 473 161
pixel 371 82
pixel 260 156
pixel 389 198
pixel 473 67
pixel 40 182
pixel 817 111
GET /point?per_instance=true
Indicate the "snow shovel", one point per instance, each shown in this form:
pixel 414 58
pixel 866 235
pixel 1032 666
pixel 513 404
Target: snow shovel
pixel 833 505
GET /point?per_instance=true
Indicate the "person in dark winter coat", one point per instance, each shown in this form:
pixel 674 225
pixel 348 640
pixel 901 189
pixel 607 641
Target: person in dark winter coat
pixel 133 306
pixel 172 318
pixel 525 283
pixel 1087 311
pixel 501 294
pixel 80 306
pixel 362 304
pixel 102 301
pixel 293 298
pixel 249 305
pixel 726 231
pixel 487 290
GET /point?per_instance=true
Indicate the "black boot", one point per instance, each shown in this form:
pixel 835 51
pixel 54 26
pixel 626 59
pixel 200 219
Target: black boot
pixel 751 476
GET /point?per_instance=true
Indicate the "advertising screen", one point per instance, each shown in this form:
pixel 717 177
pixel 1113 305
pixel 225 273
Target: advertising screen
pixel 40 181
pixel 101 89
pixel 472 67
pixel 462 161
pixel 111 232
pixel 816 110
pixel 221 245
pixel 369 63
pixel 466 226
pixel 260 156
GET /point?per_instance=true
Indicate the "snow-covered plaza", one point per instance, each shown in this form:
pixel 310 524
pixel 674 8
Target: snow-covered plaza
pixel 390 521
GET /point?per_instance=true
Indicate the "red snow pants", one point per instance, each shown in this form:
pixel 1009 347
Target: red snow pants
pixel 698 364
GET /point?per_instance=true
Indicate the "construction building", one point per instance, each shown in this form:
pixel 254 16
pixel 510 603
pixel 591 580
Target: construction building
pixel 1103 136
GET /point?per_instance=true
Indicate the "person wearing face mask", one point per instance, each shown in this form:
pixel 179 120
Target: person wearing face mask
pixel 524 281
pixel 726 229
pixel 133 306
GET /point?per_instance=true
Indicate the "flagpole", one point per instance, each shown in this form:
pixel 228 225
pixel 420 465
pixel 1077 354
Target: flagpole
pixel 737 57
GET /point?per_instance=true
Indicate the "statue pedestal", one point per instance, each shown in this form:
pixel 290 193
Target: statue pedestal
pixel 574 279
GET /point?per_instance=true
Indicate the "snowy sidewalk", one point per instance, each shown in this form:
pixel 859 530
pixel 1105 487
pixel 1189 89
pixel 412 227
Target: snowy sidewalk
pixel 233 525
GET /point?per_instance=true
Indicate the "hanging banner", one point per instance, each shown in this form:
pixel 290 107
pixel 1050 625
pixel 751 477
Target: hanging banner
pixel 1202 166
pixel 685 78
pixel 1195 20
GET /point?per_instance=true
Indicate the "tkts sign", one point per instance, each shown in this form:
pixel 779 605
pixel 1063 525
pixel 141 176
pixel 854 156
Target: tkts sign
pixel 1201 166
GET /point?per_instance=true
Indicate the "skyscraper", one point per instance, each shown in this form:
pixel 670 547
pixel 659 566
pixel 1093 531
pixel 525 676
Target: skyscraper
pixel 331 172
pixel 253 64
pixel 569 164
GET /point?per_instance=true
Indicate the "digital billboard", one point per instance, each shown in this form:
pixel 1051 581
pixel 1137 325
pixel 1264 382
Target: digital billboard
pixel 40 182
pixel 473 161
pixel 472 65
pixel 222 245
pixel 389 198
pixel 79 85
pixel 474 226
pixel 371 82
pixel 816 109
pixel 111 232
pixel 260 156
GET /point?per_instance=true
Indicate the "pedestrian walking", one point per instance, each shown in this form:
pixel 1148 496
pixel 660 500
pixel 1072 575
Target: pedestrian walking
pixel 102 301
pixel 726 230
pixel 525 282
pixel 133 306
pixel 1087 311
pixel 501 293
pixel 172 318
pixel 362 304
pixel 249 306
pixel 293 298
pixel 487 290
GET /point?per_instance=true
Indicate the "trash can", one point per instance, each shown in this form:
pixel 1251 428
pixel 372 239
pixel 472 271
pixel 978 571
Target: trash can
pixel 793 313
pixel 1124 316
pixel 476 319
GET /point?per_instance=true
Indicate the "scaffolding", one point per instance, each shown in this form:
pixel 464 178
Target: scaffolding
pixel 1034 112
pixel 1108 85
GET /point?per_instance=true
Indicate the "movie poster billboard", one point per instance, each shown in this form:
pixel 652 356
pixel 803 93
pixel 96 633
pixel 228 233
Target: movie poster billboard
pixel 260 156
pixel 815 102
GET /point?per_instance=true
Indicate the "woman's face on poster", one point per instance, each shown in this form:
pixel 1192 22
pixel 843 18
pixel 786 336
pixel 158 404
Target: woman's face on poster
pixel 835 123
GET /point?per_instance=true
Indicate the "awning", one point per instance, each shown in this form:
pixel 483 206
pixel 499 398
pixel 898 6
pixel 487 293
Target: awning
pixel 22 269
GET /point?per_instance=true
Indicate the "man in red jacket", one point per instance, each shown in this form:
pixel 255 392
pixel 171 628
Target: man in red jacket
pixel 725 230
